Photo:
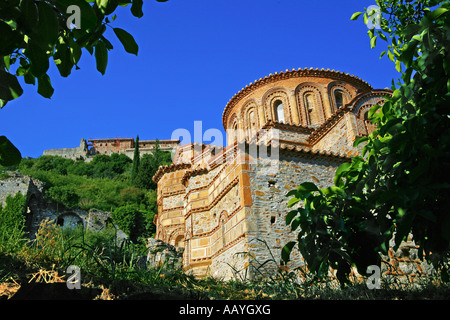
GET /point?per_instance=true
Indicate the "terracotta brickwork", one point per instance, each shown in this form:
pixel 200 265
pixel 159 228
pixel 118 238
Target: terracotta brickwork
pixel 126 146
pixel 226 206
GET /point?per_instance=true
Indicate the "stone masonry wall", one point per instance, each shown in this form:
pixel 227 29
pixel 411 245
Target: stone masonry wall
pixel 339 139
pixel 268 232
pixel 71 153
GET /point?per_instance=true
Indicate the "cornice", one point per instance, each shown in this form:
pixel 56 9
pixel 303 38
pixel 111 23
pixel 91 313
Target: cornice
pixel 169 168
pixel 287 126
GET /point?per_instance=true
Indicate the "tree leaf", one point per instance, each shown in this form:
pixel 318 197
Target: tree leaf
pixel 373 42
pixel 9 154
pixel 101 57
pixel 398 66
pixel 291 215
pixel 10 39
pixel 38 59
pixel 438 12
pixel 10 88
pixel 307 187
pixel 127 41
pixel 340 171
pixel 391 55
pixel 292 202
pixel 286 251
pixel 355 16
pixel 107 6
pixel 29 13
pixel 47 29
pixel 360 140
pixel 136 8
pixel 63 59
pixel 45 88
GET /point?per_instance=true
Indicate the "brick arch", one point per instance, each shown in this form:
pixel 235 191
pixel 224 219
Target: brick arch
pixel 365 100
pixel 361 108
pixel 69 219
pixel 333 87
pixel 268 100
pixel 175 235
pixel 233 129
pixel 250 122
pixel 305 116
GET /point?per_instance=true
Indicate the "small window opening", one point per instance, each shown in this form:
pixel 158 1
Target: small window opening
pixel 279 111
pixel 339 99
pixel 273 219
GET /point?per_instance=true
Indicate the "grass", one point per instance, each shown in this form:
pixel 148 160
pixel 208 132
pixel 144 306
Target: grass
pixel 113 268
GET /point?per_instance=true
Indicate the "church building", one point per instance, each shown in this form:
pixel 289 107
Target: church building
pixel 227 205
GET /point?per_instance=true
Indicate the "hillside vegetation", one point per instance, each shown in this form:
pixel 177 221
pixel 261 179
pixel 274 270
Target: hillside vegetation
pixel 103 183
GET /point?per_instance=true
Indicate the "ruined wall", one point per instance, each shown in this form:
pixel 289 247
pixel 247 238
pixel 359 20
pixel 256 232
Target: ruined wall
pixel 40 209
pixel 19 183
pixel 70 153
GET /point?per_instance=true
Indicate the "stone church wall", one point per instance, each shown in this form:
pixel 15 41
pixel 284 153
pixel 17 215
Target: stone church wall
pixel 268 232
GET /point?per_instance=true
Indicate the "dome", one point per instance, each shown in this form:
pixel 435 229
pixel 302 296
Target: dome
pixel 302 97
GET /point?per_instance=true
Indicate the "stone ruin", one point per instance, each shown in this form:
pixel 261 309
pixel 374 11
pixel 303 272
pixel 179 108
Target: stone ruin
pixel 160 254
pixel 40 209
pixel 163 255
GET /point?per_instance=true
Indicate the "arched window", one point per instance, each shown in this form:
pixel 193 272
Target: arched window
pixel 312 111
pixel 234 133
pixel 279 111
pixel 251 120
pixel 179 241
pixel 309 101
pixel 251 123
pixel 222 231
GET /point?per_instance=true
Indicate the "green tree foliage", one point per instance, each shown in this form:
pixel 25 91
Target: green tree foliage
pixel 12 221
pixel 400 186
pixel 136 160
pixel 149 165
pixel 134 220
pixel 103 183
pixel 64 194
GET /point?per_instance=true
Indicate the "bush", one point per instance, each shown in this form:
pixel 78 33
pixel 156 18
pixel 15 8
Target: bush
pixel 12 222
pixel 65 195
pixel 135 221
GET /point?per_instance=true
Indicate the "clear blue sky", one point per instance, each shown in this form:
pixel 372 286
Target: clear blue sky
pixel 194 55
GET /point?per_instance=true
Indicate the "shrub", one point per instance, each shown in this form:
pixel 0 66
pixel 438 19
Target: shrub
pixel 12 222
pixel 134 220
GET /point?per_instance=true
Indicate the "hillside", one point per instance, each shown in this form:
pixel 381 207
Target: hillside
pixel 103 183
